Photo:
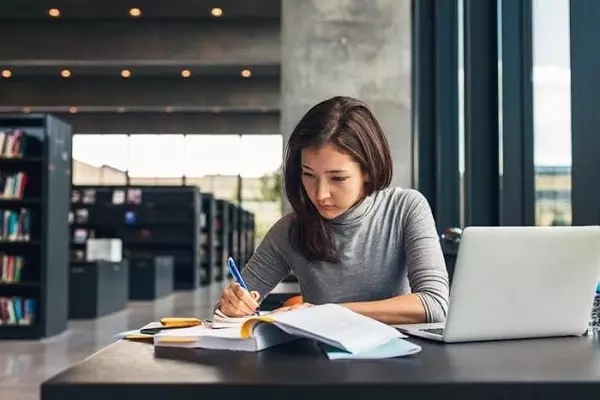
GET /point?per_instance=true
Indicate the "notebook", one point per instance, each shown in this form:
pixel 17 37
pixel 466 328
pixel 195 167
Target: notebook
pixel 149 330
pixel 391 349
pixel 335 326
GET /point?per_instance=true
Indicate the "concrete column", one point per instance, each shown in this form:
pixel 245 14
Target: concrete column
pixel 359 48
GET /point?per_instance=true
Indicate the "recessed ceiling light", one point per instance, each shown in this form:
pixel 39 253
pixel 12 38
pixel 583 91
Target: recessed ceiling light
pixel 246 73
pixel 6 73
pixel 125 73
pixel 135 12
pixel 54 12
pixel 169 109
pixel 26 110
pixel 65 73
pixel 120 110
pixel 217 12
pixel 186 73
pixel 73 110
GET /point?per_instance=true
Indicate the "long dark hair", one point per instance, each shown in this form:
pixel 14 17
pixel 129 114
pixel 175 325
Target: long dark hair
pixel 351 127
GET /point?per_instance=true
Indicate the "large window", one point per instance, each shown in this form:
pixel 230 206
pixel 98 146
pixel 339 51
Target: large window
pixel 100 159
pixel 552 111
pixel 211 162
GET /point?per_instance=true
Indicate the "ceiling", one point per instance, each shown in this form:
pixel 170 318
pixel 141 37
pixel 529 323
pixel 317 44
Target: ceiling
pixel 140 69
pixel 154 52
pixel 164 9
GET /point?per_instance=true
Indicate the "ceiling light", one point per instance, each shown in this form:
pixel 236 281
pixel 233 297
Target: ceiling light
pixel 169 109
pixel 186 73
pixel 73 110
pixel 54 12
pixel 121 110
pixel 6 73
pixel 217 12
pixel 135 12
pixel 125 73
pixel 246 73
pixel 65 73
pixel 26 110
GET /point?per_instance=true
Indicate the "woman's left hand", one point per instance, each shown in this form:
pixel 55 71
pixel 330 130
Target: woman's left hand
pixel 294 307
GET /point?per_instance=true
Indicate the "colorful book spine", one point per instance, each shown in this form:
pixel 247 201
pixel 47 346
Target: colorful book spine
pixel 15 225
pixel 17 311
pixel 12 143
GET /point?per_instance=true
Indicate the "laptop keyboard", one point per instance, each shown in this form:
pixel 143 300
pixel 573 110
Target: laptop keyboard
pixel 435 331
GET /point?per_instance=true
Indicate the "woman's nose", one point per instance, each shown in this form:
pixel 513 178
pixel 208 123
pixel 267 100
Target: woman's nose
pixel 322 191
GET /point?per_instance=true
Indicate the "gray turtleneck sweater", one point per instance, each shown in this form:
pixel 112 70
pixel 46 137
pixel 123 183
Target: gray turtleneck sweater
pixel 388 246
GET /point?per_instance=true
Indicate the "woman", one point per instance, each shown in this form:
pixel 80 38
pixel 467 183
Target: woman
pixel 350 239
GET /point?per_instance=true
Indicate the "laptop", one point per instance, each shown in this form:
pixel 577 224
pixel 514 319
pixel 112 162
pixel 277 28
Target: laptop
pixel 519 282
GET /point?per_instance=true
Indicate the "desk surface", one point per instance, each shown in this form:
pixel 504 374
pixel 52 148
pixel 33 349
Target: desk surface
pixel 542 368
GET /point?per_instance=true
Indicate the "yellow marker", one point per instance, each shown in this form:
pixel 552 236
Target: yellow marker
pixel 138 336
pixel 180 321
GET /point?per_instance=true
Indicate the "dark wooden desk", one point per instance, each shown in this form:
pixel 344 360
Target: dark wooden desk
pixel 565 368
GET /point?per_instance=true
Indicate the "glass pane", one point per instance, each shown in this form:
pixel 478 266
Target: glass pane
pixel 100 159
pixel 261 191
pixel 156 159
pixel 552 111
pixel 143 152
pixel 212 155
pixel 171 159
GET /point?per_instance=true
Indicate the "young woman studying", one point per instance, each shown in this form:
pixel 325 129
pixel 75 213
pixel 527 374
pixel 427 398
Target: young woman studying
pixel 350 239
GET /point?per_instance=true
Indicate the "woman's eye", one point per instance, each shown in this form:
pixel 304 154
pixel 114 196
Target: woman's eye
pixel 308 175
pixel 339 178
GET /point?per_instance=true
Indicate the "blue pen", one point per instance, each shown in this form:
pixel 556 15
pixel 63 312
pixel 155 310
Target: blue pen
pixel 238 277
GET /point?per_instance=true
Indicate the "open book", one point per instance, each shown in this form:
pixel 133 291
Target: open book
pixel 335 326
pixel 220 320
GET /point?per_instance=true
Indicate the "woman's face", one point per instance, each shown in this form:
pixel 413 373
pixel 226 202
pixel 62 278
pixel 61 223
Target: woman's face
pixel 333 181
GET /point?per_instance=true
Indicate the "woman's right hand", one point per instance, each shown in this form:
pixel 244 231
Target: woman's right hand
pixel 238 302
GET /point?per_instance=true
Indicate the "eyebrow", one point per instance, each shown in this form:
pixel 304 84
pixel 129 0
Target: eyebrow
pixel 331 171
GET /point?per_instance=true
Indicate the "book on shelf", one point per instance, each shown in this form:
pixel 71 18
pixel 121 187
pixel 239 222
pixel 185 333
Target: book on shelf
pixel 87 197
pixel 11 267
pixel 17 311
pixel 12 185
pixel 15 225
pixel 12 143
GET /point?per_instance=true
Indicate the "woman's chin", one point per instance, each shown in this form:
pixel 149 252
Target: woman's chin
pixel 329 212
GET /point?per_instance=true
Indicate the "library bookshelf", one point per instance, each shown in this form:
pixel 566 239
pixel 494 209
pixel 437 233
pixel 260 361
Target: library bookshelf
pixel 35 177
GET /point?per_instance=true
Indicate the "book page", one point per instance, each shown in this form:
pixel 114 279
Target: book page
pixel 338 326
pixel 199 331
pixel 220 320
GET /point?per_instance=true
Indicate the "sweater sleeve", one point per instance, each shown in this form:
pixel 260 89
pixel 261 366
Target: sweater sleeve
pixel 268 266
pixel 426 268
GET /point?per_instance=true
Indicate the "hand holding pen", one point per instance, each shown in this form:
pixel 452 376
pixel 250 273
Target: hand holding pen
pixel 237 300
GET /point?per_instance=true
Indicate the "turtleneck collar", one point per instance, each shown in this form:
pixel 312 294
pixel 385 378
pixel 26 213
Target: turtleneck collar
pixel 355 213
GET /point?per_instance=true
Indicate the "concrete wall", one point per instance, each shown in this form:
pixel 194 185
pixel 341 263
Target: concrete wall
pixel 354 48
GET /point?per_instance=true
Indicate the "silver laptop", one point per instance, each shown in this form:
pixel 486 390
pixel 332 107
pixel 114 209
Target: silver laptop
pixel 519 282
